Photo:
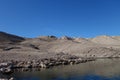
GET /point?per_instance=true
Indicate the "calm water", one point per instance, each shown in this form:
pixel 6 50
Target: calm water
pixel 103 69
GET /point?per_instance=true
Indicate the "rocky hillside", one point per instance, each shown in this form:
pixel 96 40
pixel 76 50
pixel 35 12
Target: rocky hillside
pixel 51 46
pixel 9 38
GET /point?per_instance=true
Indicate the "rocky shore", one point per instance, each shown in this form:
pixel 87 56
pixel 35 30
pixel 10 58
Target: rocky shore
pixel 10 66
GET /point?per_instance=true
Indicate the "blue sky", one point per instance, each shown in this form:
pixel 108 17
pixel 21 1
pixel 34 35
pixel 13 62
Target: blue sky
pixel 75 18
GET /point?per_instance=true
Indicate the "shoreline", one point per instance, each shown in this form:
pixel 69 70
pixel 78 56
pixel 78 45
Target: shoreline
pixel 28 66
pixel 10 66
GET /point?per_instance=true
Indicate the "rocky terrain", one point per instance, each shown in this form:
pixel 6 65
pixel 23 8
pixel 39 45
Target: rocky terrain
pixel 47 51
pixel 18 48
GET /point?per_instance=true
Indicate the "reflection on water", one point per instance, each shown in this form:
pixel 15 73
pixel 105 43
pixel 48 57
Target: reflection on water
pixel 103 69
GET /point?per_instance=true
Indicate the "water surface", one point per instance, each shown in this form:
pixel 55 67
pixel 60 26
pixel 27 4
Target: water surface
pixel 102 69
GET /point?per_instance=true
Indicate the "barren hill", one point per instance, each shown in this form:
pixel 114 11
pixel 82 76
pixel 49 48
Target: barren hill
pixel 110 40
pixel 9 38
pixel 51 46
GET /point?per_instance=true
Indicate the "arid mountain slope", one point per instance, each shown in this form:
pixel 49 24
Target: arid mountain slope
pixel 9 38
pixel 109 40
pixel 51 46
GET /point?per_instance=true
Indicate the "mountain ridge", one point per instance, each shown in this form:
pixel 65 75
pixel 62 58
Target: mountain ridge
pixel 6 37
pixel 50 46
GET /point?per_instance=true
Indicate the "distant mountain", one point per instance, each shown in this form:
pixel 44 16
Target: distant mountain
pixel 109 40
pixel 9 38
pixel 50 46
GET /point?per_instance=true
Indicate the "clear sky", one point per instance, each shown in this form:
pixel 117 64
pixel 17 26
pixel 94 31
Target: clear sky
pixel 75 18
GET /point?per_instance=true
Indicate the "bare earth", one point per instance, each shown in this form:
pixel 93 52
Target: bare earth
pixel 18 48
